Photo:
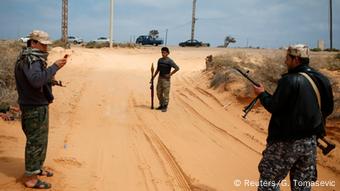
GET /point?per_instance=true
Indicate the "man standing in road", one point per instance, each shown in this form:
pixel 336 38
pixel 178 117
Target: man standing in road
pixel 299 106
pixel 164 66
pixel 33 81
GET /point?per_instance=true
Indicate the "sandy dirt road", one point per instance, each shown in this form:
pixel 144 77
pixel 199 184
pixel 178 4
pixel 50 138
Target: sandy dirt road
pixel 103 136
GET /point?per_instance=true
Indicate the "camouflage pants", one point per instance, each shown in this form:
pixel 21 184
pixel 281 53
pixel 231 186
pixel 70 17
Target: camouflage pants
pixel 163 91
pixel 34 123
pixel 295 157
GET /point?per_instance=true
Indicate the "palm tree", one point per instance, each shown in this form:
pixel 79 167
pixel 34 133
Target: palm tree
pixel 228 40
pixel 154 33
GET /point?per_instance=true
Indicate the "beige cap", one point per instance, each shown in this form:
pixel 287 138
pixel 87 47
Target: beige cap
pixel 299 50
pixel 40 36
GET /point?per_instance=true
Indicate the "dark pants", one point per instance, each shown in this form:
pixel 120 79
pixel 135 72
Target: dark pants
pixel 34 123
pixel 295 157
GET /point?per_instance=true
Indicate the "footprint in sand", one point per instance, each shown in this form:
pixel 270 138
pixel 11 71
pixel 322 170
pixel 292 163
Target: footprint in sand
pixel 8 138
pixel 68 161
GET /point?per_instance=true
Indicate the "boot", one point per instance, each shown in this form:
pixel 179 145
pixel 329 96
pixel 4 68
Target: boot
pixel 165 108
pixel 160 107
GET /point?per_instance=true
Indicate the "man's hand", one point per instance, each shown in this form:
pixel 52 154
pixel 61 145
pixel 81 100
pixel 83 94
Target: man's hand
pixel 61 62
pixel 258 89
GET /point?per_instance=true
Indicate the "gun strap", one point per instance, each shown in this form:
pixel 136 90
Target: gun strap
pixel 316 90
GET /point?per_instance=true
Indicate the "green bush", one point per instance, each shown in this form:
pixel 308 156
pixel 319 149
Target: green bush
pixel 316 49
pixel 8 54
pixel 332 50
pixel 337 56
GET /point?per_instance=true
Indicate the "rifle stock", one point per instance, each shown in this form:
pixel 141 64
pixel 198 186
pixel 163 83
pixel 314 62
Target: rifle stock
pixel 325 149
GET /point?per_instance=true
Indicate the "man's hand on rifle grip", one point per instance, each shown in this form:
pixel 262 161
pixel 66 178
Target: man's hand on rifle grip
pixel 258 89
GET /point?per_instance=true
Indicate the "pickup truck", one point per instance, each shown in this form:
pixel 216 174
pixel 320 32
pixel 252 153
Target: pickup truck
pixel 148 40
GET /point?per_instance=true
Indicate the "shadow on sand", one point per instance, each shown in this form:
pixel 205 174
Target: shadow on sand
pixel 12 167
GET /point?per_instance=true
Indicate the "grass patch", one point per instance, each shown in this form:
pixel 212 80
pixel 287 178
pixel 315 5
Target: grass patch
pixel 9 53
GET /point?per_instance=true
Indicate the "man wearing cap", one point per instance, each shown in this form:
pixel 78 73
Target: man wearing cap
pixel 298 118
pixel 35 94
pixel 164 66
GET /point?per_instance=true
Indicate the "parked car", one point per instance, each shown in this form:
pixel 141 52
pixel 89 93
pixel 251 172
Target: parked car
pixel 194 43
pixel 148 40
pixel 24 39
pixel 102 40
pixel 75 40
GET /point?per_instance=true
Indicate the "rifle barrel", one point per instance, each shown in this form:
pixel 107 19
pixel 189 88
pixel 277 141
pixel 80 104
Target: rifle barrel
pixel 248 78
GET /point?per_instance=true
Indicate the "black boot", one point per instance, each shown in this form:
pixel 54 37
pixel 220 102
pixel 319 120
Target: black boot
pixel 160 107
pixel 165 108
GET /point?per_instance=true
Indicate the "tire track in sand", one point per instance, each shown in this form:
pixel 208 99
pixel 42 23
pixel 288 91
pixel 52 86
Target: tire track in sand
pixel 162 152
pixel 212 125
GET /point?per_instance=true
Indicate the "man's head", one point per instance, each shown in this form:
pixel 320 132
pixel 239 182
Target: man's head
pixel 39 40
pixel 296 55
pixel 165 52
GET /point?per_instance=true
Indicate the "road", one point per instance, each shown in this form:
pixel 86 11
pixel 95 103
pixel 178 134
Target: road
pixel 104 136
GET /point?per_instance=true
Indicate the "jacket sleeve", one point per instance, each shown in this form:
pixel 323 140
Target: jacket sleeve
pixel 38 77
pixel 276 102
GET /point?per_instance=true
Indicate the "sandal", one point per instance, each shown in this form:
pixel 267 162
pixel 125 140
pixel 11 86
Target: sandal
pixel 45 173
pixel 41 185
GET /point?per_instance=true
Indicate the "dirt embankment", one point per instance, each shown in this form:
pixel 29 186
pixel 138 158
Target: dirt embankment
pixel 266 66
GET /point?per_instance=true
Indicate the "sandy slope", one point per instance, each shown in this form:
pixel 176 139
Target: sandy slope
pixel 103 136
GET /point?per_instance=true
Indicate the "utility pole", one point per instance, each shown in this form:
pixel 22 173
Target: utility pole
pixel 111 23
pixel 166 37
pixel 64 21
pixel 193 20
pixel 331 25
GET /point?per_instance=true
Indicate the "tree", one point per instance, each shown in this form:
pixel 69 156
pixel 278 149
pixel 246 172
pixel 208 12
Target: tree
pixel 154 33
pixel 228 40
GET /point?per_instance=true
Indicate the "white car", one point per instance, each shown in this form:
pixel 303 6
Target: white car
pixel 75 40
pixel 24 39
pixel 102 40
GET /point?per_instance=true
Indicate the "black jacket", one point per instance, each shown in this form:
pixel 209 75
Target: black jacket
pixel 33 83
pixel 294 106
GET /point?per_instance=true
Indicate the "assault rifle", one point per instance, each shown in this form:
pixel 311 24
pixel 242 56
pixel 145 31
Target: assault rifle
pixel 57 83
pixel 327 147
pixel 249 107
pixel 152 86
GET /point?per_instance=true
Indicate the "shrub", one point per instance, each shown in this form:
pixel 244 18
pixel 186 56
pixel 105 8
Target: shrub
pixel 337 56
pixel 9 53
pixel 316 49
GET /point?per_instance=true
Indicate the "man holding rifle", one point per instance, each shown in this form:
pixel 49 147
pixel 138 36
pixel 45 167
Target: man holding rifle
pixel 33 82
pixel 164 66
pixel 299 106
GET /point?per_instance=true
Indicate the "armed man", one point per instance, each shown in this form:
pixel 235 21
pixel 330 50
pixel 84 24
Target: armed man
pixel 33 79
pixel 164 66
pixel 299 106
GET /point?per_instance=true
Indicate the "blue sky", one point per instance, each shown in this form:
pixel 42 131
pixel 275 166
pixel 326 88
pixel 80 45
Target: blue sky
pixel 264 23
